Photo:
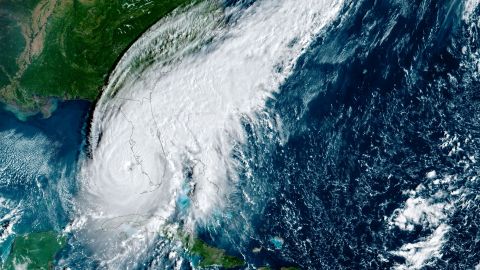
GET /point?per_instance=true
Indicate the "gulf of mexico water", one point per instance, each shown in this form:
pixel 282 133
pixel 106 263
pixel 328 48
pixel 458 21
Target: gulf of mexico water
pixel 364 158
pixel 38 161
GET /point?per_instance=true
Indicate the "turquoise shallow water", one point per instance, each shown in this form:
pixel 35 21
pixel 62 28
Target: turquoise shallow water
pixel 38 160
pixel 375 165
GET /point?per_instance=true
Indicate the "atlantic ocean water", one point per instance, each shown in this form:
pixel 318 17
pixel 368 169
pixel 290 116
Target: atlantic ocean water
pixel 365 157
pixel 375 164
pixel 360 152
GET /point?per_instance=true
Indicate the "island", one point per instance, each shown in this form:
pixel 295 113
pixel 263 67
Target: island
pixel 211 256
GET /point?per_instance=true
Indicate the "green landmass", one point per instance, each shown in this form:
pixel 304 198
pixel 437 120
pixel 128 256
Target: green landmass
pixel 66 48
pixel 211 256
pixel 34 251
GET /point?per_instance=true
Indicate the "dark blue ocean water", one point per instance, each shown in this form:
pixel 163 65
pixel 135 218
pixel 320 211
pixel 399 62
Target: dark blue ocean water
pixel 38 161
pixel 389 93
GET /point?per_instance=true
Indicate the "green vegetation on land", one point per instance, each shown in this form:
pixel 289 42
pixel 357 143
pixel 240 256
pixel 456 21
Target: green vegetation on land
pixel 211 256
pixel 65 48
pixel 34 251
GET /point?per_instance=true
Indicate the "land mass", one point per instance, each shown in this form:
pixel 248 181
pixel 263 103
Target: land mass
pixel 34 251
pixel 52 49
pixel 211 256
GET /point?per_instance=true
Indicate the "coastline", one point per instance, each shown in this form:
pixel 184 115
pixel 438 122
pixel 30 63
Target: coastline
pixel 45 111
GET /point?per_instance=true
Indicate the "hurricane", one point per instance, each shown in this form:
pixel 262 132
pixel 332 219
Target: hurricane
pixel 286 134
pixel 162 140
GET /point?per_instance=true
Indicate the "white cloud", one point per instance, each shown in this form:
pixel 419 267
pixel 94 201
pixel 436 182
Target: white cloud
pixel 418 253
pixel 186 110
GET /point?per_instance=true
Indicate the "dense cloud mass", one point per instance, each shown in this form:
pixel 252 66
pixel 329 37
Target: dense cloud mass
pixel 167 134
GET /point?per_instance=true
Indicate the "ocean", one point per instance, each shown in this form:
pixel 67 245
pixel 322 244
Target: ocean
pixel 38 160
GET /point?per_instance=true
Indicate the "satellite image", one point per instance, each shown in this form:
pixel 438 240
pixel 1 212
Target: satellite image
pixel 239 134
